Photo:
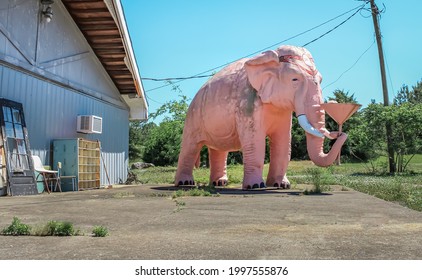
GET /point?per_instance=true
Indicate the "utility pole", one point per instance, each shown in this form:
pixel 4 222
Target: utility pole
pixel 389 129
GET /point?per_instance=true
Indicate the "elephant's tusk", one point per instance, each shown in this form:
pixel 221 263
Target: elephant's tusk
pixel 304 123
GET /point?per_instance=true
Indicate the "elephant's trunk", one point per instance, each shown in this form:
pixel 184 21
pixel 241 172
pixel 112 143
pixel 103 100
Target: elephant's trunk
pixel 316 117
pixel 316 153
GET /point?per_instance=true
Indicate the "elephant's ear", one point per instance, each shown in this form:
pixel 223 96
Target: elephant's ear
pixel 262 73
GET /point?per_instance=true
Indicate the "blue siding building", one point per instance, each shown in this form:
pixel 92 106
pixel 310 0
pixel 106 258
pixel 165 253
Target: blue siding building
pixel 65 58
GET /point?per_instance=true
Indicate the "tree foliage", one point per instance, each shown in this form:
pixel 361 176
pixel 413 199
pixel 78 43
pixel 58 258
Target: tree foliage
pixel 413 96
pixel 405 118
pixel 162 142
pixel 406 121
pixel 139 132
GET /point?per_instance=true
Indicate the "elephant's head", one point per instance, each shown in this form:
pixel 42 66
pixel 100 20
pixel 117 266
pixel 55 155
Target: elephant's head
pixel 288 79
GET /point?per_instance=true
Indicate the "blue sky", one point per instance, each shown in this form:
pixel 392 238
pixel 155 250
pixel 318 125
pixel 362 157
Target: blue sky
pixel 185 37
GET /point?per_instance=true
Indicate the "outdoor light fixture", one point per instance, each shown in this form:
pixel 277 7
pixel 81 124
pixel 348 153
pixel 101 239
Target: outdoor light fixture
pixel 47 11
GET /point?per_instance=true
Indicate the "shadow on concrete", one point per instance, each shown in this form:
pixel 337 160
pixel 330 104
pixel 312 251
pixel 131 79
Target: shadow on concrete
pixel 239 191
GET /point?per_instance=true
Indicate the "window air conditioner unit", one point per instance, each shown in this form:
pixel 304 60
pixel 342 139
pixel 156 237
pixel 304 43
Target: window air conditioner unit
pixel 89 124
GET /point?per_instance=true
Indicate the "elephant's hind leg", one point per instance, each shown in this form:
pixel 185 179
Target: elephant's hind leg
pixel 187 160
pixel 218 167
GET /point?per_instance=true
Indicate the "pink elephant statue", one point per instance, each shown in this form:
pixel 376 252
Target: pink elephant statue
pixel 247 101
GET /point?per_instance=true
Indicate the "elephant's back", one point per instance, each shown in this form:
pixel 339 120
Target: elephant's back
pixel 230 69
pixel 215 106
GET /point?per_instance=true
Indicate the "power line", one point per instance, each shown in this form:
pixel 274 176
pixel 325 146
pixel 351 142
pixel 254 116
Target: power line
pixel 353 65
pixel 155 101
pixel 201 75
pixel 335 27
pixel 184 78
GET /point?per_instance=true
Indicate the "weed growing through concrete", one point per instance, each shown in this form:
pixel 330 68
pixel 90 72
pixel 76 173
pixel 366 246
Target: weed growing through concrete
pixel 52 228
pixel 206 191
pixel 316 177
pixel 209 191
pixel 123 195
pixel 180 205
pixel 57 228
pixel 17 228
pixel 99 231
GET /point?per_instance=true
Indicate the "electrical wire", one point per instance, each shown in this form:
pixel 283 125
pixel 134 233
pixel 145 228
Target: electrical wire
pixel 332 29
pixel 353 65
pixel 150 99
pixel 201 75
pixel 184 78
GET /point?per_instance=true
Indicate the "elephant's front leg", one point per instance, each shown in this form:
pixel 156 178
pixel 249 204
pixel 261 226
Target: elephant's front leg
pixel 253 149
pixel 280 149
pixel 218 167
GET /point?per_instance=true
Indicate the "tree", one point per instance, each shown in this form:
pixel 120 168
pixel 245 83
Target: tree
pixel 138 135
pixel 406 119
pixel 408 140
pixel 405 95
pixel 162 143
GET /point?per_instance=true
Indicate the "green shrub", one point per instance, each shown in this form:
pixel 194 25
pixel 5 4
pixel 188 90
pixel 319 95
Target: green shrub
pixel 56 228
pixel 100 231
pixel 17 228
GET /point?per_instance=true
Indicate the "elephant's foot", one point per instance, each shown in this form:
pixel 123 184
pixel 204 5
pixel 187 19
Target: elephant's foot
pixel 260 186
pixel 184 180
pixel 282 185
pixel 220 183
pixel 219 180
pixel 279 184
pixel 252 179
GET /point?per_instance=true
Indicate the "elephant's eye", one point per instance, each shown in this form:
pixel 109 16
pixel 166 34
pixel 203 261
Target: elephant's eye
pixel 294 80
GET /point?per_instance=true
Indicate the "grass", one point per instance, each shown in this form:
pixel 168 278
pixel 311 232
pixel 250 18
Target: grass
pixel 193 192
pixel 370 178
pixel 403 189
pixel 155 175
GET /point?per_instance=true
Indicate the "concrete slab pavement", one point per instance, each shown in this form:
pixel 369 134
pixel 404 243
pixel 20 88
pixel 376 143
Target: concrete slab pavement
pixel 146 223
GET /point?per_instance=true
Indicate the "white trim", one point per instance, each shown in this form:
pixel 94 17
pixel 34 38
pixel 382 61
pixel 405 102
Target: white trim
pixel 117 12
